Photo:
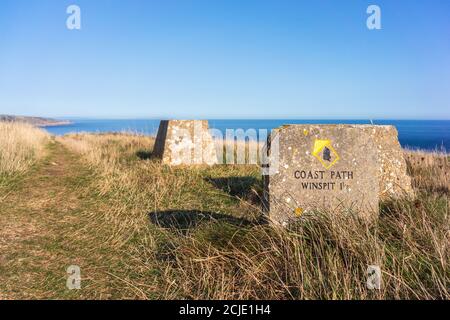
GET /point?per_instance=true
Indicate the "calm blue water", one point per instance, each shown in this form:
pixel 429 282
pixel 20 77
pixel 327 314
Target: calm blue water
pixel 416 134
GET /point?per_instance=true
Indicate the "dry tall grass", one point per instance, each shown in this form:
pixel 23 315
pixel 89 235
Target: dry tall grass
pixel 430 170
pixel 107 151
pixel 21 145
pixel 199 233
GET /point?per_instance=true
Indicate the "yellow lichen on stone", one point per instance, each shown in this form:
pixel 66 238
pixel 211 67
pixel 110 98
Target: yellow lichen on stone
pixel 298 211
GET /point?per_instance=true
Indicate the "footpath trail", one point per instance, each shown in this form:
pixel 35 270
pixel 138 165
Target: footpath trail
pixel 44 229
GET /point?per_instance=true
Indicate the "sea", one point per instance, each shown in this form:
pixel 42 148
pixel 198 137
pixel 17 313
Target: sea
pixel 431 135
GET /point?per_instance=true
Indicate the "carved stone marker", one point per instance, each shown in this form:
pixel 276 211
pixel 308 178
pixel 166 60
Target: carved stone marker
pixel 333 168
pixel 185 142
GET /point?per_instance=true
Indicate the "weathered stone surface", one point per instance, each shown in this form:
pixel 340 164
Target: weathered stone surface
pixel 334 168
pixel 185 142
pixel 393 178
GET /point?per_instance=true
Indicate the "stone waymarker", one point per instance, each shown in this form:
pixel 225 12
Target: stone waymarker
pixel 185 142
pixel 334 168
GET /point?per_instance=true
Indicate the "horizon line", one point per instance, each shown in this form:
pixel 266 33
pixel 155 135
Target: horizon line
pixel 68 117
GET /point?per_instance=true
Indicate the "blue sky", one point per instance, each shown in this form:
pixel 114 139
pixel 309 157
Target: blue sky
pixel 225 59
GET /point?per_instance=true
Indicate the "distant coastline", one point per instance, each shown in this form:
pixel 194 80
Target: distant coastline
pixel 35 121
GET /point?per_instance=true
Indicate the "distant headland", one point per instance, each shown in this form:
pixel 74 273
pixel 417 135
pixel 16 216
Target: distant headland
pixel 35 121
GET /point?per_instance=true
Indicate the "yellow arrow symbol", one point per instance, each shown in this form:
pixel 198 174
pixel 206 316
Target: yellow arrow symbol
pixel 319 145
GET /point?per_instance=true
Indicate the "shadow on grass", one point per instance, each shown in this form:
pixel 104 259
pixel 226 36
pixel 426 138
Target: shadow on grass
pixel 235 186
pixel 145 155
pixel 187 219
pixel 248 187
pixel 207 228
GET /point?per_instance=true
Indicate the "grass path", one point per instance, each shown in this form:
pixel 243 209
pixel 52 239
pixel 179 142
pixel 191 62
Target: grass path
pixel 45 227
pixel 55 216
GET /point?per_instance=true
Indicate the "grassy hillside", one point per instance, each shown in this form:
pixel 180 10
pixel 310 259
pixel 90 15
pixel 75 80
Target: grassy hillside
pixel 35 121
pixel 139 229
